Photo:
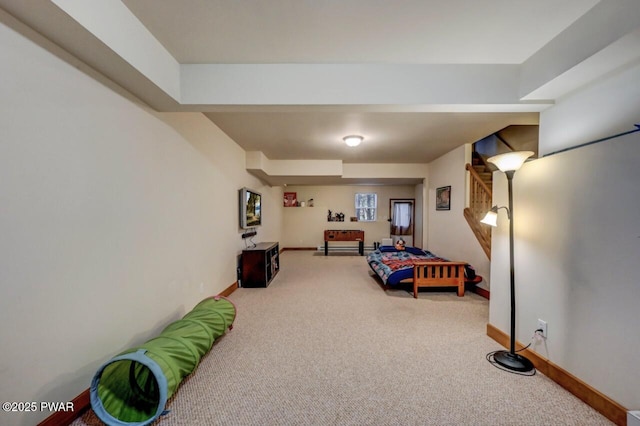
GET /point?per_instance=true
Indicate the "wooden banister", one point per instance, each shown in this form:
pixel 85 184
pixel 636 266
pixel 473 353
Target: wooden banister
pixel 482 234
pixel 477 178
pixel 480 203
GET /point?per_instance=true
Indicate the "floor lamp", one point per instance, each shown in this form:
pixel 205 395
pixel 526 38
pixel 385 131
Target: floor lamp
pixel 508 164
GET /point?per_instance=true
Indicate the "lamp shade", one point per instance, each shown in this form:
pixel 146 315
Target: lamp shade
pixel 353 140
pixel 491 218
pixel 510 161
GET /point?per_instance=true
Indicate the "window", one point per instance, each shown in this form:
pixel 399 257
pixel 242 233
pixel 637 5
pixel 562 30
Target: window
pixel 366 206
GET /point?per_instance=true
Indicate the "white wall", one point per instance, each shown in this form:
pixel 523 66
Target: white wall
pixel 450 235
pixel 114 221
pixel 577 240
pixel 420 218
pixel 305 226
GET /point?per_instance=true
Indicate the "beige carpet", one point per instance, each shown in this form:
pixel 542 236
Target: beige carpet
pixel 324 345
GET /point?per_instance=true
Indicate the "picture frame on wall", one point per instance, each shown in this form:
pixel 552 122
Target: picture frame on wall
pixel 443 198
pixel 290 199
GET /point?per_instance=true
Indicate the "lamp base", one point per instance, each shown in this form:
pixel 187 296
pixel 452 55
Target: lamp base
pixel 513 362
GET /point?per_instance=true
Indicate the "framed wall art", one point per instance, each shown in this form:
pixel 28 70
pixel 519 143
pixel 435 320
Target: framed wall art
pixel 443 198
pixel 290 199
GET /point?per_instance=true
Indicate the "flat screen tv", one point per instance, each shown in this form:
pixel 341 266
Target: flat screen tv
pixel 250 208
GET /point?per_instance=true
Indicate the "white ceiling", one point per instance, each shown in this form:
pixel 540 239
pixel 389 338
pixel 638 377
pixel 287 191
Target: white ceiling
pixel 389 137
pixel 356 31
pixel 290 78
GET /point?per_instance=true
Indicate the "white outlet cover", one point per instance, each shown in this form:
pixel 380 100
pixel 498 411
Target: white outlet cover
pixel 542 325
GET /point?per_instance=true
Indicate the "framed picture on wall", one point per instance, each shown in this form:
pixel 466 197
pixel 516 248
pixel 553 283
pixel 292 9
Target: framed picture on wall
pixel 290 199
pixel 443 198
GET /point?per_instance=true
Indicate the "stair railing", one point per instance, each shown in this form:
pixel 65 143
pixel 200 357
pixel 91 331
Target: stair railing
pixel 479 205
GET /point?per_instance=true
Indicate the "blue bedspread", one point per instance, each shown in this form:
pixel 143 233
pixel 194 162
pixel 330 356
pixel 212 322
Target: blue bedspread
pixel 393 266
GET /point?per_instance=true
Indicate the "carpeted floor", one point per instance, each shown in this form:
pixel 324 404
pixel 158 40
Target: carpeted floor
pixel 324 345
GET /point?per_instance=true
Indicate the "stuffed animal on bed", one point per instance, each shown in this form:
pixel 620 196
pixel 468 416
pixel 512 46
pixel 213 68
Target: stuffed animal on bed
pixel 400 244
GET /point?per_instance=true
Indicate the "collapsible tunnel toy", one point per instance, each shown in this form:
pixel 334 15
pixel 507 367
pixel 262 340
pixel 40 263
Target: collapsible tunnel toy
pixel 133 387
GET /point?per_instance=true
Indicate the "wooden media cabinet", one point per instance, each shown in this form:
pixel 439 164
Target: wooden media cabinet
pixel 260 264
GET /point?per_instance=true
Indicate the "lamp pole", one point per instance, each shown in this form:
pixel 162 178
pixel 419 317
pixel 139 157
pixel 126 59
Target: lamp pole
pixel 511 360
pixel 508 164
pixel 512 275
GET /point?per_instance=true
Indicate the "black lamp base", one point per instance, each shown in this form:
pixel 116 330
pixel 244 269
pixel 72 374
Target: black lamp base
pixel 513 362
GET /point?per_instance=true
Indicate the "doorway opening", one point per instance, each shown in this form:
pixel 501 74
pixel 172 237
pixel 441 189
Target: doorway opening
pixel 401 218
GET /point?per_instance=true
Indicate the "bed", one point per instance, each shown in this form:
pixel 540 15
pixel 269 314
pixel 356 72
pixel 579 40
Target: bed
pixel 421 268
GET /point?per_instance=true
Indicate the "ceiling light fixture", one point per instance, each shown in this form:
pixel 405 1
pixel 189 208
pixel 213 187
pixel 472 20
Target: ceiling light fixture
pixel 353 140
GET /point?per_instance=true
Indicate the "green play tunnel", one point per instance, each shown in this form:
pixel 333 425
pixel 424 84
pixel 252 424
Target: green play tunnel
pixel 133 387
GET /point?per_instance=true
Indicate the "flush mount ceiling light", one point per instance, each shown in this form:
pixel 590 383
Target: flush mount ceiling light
pixel 353 140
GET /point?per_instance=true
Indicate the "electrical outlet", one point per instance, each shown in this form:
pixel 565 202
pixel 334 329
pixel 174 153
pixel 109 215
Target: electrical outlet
pixel 542 325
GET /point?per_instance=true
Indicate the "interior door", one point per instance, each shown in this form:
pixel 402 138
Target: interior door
pixel 401 218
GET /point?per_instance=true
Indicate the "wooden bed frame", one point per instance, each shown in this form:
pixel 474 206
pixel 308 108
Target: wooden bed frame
pixel 438 274
pixel 433 274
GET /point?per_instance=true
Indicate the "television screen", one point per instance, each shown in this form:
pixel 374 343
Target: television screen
pixel 250 208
